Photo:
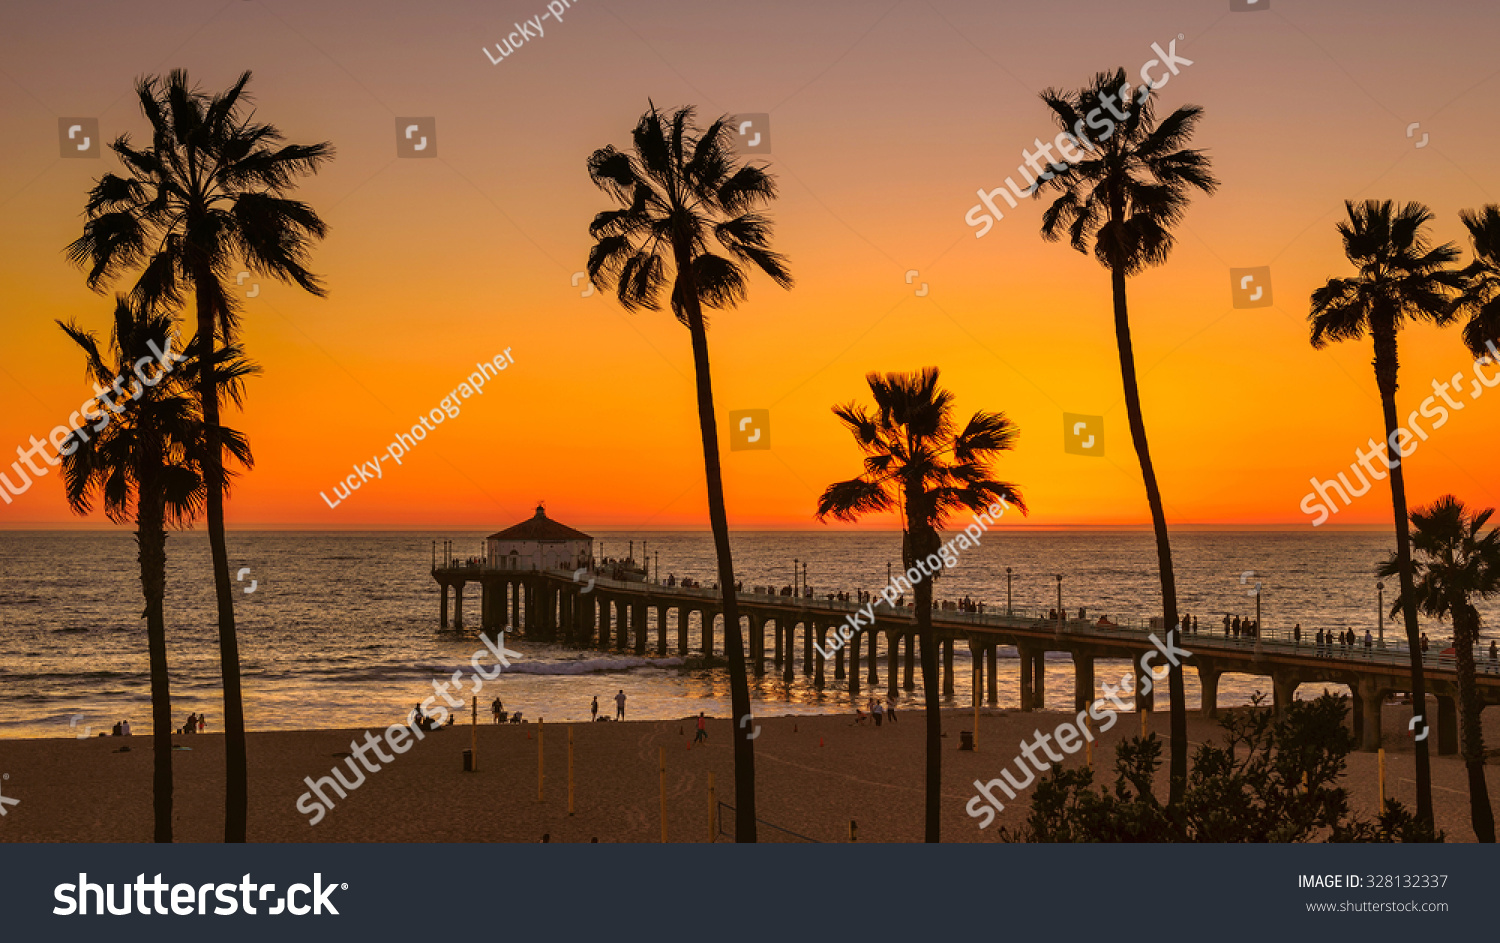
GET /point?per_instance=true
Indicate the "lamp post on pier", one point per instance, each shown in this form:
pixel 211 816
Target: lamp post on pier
pixel 1380 611
pixel 1007 591
pixel 795 563
pixel 804 578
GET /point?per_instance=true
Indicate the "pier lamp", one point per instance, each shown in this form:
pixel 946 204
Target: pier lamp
pixel 804 576
pixel 796 593
pixel 1007 591
pixel 1380 611
pixel 1257 620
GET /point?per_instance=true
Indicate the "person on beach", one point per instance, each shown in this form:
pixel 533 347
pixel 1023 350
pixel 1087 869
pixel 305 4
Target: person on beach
pixel 877 711
pixel 419 719
pixel 202 724
pixel 620 705
pixel 702 735
pixel 124 728
pixel 1424 643
pixel 191 725
pixel 495 708
pixel 890 707
pixel 594 709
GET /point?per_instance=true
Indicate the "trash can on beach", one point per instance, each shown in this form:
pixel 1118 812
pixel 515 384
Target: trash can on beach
pixel 468 761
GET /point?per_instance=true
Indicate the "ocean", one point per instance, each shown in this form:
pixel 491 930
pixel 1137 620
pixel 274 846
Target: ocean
pixel 340 629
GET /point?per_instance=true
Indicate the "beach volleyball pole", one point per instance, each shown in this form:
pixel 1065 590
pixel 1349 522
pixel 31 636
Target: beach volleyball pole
pixel 662 764
pixel 713 806
pixel 975 686
pixel 474 735
pixel 1382 779
pixel 570 769
pixel 540 774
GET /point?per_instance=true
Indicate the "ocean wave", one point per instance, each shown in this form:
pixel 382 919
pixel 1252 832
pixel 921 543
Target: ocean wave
pixel 590 666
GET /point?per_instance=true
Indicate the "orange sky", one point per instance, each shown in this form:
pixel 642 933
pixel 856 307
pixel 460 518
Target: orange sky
pixel 885 119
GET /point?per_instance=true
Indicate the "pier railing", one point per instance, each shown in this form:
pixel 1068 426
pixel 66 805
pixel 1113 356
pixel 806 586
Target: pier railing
pixel 1209 638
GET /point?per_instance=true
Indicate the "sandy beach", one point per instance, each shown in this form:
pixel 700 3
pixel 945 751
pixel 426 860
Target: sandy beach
pixel 815 775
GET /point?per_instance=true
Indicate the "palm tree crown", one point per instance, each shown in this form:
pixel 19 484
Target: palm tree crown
pixel 917 460
pixel 1458 561
pixel 1133 184
pixel 1481 300
pixel 1401 274
pixel 205 195
pixel 680 188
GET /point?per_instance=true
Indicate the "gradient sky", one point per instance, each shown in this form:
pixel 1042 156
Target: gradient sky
pixel 885 120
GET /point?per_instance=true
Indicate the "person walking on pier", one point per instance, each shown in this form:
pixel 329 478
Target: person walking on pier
pixel 594 709
pixel 1297 634
pixel 620 705
pixel 1226 625
pixel 1318 647
pixel 1369 641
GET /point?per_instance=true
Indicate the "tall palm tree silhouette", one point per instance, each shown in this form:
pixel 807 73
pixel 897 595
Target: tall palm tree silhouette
pixel 1458 563
pixel 206 196
pixel 143 458
pixel 1121 199
pixel 1401 275
pixel 1481 298
pixel 680 188
pixel 921 465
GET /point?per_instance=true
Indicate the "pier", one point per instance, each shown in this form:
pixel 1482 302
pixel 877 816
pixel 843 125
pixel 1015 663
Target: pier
pixel 646 617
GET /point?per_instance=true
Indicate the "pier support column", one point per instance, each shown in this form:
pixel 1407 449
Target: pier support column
pixel 684 629
pixel 991 678
pixel 1146 701
pixel 838 661
pixel 909 682
pixel 893 653
pixel 642 627
pixel 947 667
pixel 1083 681
pixel 1447 725
pixel 661 629
pixel 758 644
pixel 789 641
pixel 1368 706
pixel 502 611
pixel 606 621
pixel 821 630
pixel 776 641
pixel 807 647
pixel 1283 690
pixel 874 636
pixel 1026 677
pixel 567 615
pixel 708 632
pixel 443 619
pixel 1208 684
pixel 1039 680
pixel 458 605
pixel 854 645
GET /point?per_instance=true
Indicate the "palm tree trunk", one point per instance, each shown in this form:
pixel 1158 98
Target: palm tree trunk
pixel 923 592
pixel 236 782
pixel 1471 708
pixel 1384 331
pixel 151 540
pixel 1177 697
pixel 734 642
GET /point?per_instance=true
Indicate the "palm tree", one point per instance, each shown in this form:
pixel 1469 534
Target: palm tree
pixel 1400 276
pixel 678 187
pixel 145 458
pixel 1458 563
pixel 1481 299
pixel 206 197
pixel 1124 195
pixel 919 464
